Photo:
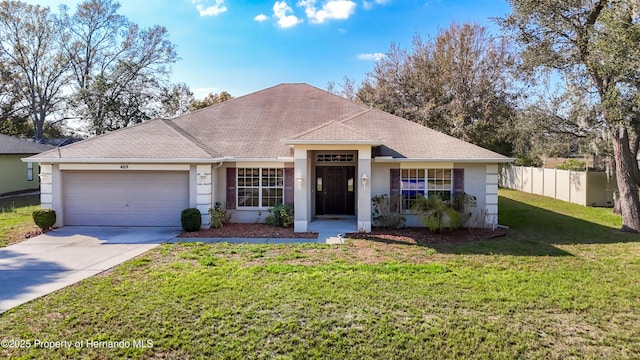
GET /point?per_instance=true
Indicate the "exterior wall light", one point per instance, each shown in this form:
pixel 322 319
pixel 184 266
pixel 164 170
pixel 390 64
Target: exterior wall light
pixel 299 180
pixel 364 179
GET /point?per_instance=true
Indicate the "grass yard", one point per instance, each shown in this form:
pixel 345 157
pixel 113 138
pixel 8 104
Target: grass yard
pixel 564 283
pixel 15 217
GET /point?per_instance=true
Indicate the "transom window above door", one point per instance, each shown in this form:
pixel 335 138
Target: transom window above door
pixel 335 158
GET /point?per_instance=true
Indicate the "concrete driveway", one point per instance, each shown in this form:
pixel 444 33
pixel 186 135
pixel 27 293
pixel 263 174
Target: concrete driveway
pixel 48 262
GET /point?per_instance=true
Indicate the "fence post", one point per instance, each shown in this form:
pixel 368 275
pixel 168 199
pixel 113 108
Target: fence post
pixel 555 182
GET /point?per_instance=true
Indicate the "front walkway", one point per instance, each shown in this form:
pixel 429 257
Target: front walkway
pixel 332 231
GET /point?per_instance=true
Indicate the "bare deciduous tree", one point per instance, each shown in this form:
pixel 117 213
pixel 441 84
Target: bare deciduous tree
pixel 116 65
pixel 30 46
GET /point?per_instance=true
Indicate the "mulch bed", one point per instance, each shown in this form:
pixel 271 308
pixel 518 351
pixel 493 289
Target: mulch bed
pixel 424 236
pixel 34 232
pixel 233 230
pixel 403 235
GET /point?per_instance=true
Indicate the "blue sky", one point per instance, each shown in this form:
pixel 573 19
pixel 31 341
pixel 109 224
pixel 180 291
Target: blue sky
pixel 243 46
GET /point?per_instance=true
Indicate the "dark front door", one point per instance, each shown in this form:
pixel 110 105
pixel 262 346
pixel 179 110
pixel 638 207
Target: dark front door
pixel 335 190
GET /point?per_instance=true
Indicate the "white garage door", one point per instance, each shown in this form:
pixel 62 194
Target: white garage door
pixel 124 198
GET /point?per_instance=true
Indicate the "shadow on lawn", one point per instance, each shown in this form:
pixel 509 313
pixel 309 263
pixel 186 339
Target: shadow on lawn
pixel 533 231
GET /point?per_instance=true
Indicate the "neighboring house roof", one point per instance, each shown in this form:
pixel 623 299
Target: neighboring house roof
pixel 264 124
pixel 61 141
pixel 10 145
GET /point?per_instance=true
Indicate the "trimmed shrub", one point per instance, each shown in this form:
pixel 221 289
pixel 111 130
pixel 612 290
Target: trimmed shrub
pixel 44 218
pixel 280 215
pixel 191 219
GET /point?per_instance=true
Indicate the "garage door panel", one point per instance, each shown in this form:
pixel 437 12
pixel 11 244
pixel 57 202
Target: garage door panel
pixel 125 198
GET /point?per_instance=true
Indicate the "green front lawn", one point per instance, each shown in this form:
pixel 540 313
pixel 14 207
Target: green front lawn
pixel 15 217
pixel 564 283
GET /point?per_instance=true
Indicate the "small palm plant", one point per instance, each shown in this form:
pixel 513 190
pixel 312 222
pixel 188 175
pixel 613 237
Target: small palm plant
pixel 436 213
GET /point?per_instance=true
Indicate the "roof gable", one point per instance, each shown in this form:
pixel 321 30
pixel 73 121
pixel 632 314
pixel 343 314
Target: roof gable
pixel 333 132
pixel 255 125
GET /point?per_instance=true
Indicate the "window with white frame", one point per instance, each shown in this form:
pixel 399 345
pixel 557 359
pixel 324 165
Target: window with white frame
pixel 421 182
pixel 260 187
pixel 439 183
pixel 412 185
pixel 29 171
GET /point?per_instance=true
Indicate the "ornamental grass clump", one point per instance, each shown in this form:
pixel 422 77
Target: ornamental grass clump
pixel 436 213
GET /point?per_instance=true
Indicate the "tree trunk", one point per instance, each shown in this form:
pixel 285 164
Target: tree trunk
pixel 627 184
pixel 37 130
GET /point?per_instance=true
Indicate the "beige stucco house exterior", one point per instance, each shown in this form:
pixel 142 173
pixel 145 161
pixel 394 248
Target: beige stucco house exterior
pixel 291 143
pixel 15 175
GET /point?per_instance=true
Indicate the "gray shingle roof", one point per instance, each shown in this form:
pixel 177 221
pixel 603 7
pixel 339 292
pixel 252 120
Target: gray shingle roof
pixel 15 146
pixel 333 132
pixel 155 139
pixel 262 124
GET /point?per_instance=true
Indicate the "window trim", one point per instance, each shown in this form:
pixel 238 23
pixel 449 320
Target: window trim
pixel 425 179
pixel 29 171
pixel 261 186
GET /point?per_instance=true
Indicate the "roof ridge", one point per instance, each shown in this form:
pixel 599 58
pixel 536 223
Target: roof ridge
pixel 332 122
pixel 189 137
pixel 313 129
pixel 341 122
pixel 355 116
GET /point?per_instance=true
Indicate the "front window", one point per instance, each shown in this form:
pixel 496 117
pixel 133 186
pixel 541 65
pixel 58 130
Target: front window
pixel 439 183
pixel 260 187
pixel 412 185
pixel 421 182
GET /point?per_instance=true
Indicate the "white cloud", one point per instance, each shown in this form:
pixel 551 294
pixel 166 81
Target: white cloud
pixel 368 5
pixel 371 56
pixel 261 18
pixel 212 10
pixel 331 10
pixel 280 10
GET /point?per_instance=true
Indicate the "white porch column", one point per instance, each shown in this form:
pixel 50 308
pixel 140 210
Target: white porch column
pixel 301 201
pixel 364 190
pixel 203 193
pixel 46 186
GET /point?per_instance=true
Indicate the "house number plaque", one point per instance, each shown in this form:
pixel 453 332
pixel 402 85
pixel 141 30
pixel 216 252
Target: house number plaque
pixel 124 167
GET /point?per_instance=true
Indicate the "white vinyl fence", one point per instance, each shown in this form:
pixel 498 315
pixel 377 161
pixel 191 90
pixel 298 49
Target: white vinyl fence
pixel 591 188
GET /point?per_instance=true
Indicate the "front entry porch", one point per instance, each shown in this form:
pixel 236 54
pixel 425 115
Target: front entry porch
pixel 332 180
pixel 333 229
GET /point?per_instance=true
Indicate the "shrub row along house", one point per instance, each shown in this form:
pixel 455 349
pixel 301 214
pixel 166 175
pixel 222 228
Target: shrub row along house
pixel 288 144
